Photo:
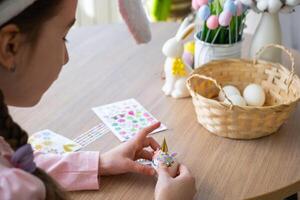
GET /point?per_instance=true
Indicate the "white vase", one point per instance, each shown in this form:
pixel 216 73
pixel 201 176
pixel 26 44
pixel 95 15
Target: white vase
pixel 206 52
pixel 268 31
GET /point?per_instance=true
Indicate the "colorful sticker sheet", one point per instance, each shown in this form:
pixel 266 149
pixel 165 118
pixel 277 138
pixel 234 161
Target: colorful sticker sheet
pixel 47 141
pixel 126 118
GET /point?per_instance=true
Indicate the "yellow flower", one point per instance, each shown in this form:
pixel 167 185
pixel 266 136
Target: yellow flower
pixel 178 68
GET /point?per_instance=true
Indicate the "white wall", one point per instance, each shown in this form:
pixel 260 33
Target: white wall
pixel 91 12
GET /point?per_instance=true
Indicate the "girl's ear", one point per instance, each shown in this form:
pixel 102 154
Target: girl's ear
pixel 10 39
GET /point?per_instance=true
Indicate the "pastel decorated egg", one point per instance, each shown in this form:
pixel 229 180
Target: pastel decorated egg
pixel 195 5
pixel 202 2
pixel 239 8
pixel 236 100
pixel 190 47
pixel 274 6
pixel 188 54
pixel 254 95
pixel 188 59
pixel 225 18
pixel 203 13
pixel 230 6
pixel 212 22
pixel 161 158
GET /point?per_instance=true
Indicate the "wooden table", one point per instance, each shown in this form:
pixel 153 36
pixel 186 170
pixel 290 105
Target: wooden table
pixel 106 66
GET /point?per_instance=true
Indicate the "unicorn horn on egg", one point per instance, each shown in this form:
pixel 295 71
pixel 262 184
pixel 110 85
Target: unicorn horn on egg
pixel 164 146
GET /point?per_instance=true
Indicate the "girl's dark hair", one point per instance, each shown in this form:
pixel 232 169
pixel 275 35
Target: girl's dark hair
pixel 30 22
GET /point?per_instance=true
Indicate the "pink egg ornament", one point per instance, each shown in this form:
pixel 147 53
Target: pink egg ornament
pixel 212 22
pixel 239 8
pixel 195 5
pixel 225 18
pixel 202 2
pixel 188 59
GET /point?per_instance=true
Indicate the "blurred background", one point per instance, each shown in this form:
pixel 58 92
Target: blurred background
pixel 93 12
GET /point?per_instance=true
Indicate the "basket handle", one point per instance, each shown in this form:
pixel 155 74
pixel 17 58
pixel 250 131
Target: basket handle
pixel 210 79
pixel 288 52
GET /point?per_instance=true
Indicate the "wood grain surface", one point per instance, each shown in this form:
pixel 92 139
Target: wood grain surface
pixel 106 66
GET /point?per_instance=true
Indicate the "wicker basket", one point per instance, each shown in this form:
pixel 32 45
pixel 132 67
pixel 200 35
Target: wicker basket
pixel 282 88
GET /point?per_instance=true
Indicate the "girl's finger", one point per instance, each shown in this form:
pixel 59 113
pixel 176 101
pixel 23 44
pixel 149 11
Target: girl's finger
pixel 163 173
pixel 149 141
pixel 143 133
pixel 145 155
pixel 136 167
pixel 184 172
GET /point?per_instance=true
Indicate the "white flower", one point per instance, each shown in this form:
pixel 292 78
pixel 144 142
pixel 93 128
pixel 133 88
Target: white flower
pixel 274 6
pixel 262 5
pixel 292 2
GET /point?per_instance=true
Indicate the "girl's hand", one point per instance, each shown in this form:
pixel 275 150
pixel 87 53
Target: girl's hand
pixel 122 158
pixel 180 187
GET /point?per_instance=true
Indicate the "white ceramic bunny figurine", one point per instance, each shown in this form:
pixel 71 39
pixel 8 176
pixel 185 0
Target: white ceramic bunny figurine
pixel 176 71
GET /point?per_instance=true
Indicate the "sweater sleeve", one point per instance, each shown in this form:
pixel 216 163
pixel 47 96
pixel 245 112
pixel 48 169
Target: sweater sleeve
pixel 73 171
pixel 18 184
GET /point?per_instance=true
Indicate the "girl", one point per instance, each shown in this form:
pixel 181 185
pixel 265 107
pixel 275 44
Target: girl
pixel 32 53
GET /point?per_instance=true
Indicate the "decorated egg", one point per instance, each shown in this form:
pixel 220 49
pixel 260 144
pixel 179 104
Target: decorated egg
pixel 161 158
pixel 274 6
pixel 188 54
pixel 239 8
pixel 188 59
pixel 212 22
pixel 236 100
pixel 254 95
pixel 225 18
pixel 203 13
pixel 229 91
pixel 202 2
pixel 230 6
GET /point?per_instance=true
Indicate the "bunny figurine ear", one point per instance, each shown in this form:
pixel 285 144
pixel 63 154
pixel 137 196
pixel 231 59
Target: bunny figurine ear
pixel 135 17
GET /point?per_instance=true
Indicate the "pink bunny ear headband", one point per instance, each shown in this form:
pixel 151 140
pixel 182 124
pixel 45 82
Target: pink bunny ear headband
pixel 131 10
pixel 136 19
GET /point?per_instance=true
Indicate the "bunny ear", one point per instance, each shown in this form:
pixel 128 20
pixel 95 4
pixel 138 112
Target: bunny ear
pixel 135 17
